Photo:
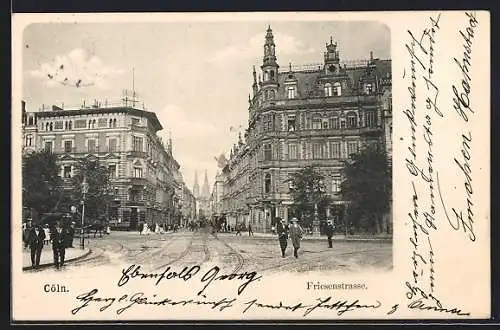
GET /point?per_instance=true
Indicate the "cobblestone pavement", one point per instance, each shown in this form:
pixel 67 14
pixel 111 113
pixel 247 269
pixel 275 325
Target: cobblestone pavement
pixel 228 251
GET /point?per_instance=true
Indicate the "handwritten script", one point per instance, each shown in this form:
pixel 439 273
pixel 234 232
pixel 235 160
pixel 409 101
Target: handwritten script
pixel 422 112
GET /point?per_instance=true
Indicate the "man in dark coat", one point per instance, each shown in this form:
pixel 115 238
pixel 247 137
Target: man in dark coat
pixel 69 235
pixel 282 230
pixel 35 242
pixel 58 245
pixel 329 232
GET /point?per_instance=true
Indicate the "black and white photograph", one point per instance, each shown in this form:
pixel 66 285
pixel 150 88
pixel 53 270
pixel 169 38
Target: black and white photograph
pixel 204 154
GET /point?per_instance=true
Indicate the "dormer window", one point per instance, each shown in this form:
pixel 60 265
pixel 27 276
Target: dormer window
pixel 328 90
pixel 337 89
pixel 291 92
pixel 369 88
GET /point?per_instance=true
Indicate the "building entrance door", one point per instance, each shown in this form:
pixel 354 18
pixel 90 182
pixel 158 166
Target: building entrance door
pixel 133 218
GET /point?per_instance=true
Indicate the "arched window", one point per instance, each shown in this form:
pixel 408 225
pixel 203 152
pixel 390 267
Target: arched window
pixel 337 89
pixel 65 125
pixel 267 183
pixel 114 122
pixel 90 123
pixel 46 126
pixel 93 123
pixel 50 127
pixel 328 90
pixel 272 94
pixel 70 125
pixel 266 75
pixel 111 123
pixel 291 92
pixel 272 74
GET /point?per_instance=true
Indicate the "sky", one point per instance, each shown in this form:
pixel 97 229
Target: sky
pixel 196 76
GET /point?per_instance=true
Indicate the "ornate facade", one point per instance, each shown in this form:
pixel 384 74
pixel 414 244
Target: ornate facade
pixel 148 186
pixel 298 117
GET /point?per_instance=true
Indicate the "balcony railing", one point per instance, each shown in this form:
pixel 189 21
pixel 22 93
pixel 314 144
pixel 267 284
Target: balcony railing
pixel 322 132
pixel 321 100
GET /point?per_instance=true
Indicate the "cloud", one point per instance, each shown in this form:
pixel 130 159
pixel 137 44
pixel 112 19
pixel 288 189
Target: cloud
pixel 285 44
pixel 76 68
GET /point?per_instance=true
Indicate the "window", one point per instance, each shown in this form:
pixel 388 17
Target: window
pixel 337 89
pixel 48 146
pixel 29 140
pixel 268 155
pixel 272 94
pixel 291 123
pixel 112 145
pixel 137 172
pixel 272 74
pixel 112 171
pixel 50 127
pixel 268 122
pixel 352 147
pixel 336 185
pixel 68 146
pixel 70 125
pixel 291 92
pixel 102 122
pixel 266 76
pixel 292 151
pixel 335 150
pixel 328 89
pixel 80 123
pixel 318 150
pixel 91 145
pixel 325 124
pixel 137 143
pixel 351 120
pixel 369 88
pixel 316 123
pixel 267 183
pixel 67 171
pixel 135 121
pixel 334 123
pixel 370 119
pixel 59 124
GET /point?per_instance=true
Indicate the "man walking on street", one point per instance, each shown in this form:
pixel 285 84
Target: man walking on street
pixel 58 246
pixel 35 241
pixel 329 232
pixel 282 230
pixel 296 233
pixel 250 231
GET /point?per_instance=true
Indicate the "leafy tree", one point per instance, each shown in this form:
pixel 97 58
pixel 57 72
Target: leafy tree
pixel 100 191
pixel 368 185
pixel 308 190
pixel 42 186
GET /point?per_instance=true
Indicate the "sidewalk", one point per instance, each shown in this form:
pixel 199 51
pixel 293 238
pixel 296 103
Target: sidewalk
pixel 47 257
pixel 381 238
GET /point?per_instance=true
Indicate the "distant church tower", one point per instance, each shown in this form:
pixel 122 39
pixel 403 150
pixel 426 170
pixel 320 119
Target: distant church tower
pixel 196 186
pixel 205 190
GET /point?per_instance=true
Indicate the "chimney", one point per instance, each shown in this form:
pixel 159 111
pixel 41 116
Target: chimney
pixel 23 106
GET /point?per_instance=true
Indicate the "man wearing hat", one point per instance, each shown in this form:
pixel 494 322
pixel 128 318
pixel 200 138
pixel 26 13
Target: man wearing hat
pixel 58 245
pixel 35 241
pixel 329 232
pixel 282 230
pixel 296 233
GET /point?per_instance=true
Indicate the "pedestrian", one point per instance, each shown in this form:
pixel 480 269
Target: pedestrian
pixel 296 233
pixel 58 246
pixel 329 232
pixel 46 230
pixel 282 230
pixel 238 229
pixel 69 233
pixel 28 226
pixel 250 231
pixel 36 240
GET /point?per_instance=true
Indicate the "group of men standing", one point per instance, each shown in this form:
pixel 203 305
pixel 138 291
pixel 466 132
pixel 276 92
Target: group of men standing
pixel 60 237
pixel 296 232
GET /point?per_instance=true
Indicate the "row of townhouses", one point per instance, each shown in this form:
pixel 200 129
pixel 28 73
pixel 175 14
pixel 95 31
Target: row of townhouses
pixel 300 116
pixel 148 184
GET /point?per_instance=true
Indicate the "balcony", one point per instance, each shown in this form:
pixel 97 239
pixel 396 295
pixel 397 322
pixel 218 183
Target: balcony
pixel 300 163
pixel 137 181
pixel 323 132
pixel 137 154
pixel 319 101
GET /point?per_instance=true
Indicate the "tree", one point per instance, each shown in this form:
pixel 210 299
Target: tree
pixel 367 185
pixel 308 190
pixel 42 186
pixel 100 191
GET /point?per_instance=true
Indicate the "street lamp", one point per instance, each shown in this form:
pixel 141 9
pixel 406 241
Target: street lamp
pixel 85 190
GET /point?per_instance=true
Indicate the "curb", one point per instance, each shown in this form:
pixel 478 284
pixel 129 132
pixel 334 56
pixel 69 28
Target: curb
pixel 65 261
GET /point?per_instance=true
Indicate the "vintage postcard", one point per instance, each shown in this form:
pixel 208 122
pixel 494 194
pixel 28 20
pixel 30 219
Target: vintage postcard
pixel 251 166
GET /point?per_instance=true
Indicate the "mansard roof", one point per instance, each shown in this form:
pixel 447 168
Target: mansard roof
pixel 310 82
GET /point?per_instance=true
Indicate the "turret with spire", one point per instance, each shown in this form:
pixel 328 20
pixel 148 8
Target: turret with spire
pixel 269 67
pixel 332 57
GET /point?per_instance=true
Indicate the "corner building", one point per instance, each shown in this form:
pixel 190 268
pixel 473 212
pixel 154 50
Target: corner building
pixel 299 116
pixel 148 186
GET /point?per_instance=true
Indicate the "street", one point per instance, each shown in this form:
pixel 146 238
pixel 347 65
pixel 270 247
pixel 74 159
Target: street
pixel 237 253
